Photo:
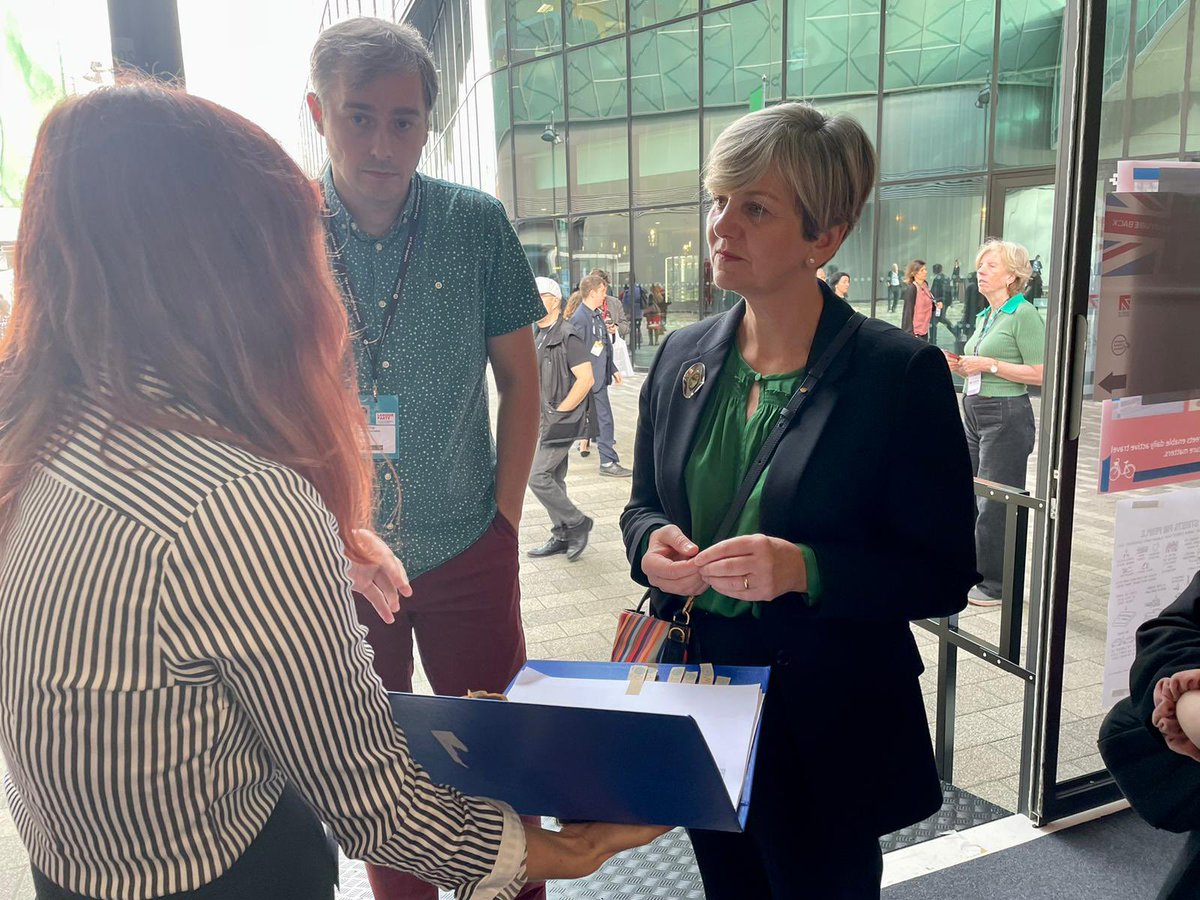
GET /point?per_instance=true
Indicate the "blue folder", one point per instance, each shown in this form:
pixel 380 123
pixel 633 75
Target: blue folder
pixel 589 764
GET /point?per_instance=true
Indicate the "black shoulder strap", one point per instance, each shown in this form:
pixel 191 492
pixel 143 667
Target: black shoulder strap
pixel 803 392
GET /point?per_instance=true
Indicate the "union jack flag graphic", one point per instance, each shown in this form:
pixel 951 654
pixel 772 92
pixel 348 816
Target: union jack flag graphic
pixel 1134 227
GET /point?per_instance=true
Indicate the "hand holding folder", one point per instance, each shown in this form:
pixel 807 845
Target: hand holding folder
pixel 547 753
pixel 579 850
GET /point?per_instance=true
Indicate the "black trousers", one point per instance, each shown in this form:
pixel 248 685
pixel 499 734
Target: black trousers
pixel 789 848
pixel 1000 436
pixel 291 859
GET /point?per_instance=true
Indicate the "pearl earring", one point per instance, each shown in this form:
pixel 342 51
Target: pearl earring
pixel 812 262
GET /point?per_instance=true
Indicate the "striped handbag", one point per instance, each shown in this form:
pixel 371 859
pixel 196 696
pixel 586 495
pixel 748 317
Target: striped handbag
pixel 642 638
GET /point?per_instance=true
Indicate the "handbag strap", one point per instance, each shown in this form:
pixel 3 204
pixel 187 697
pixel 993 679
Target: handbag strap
pixel 789 412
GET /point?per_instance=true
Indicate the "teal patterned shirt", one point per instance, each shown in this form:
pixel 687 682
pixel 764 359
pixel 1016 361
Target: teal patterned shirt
pixel 469 280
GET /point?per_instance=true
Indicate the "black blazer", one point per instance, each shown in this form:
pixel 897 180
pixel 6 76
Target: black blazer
pixel 892 526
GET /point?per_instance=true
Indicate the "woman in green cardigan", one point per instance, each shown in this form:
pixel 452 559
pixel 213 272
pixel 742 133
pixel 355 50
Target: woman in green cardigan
pixel 1006 355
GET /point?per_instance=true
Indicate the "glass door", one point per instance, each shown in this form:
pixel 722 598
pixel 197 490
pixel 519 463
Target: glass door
pixel 1022 210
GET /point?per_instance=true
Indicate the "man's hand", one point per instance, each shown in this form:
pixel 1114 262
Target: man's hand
pixel 617 379
pixel 383 580
pixel 668 564
pixel 753 567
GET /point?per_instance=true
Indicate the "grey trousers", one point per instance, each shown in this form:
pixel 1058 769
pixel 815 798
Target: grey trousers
pixel 548 481
pixel 606 426
pixel 1000 435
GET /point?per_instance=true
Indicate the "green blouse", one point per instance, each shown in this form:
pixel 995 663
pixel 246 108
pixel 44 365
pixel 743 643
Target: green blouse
pixel 725 448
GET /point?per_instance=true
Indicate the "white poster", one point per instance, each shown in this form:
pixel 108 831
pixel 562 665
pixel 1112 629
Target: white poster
pixel 1156 551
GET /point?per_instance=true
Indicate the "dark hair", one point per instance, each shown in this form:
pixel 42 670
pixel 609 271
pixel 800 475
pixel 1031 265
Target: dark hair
pixel 363 48
pixel 837 276
pixel 163 234
pixel 602 274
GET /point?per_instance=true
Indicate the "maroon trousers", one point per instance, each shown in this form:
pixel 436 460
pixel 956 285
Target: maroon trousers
pixel 466 616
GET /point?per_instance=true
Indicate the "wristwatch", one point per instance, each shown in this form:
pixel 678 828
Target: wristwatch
pixel 994 368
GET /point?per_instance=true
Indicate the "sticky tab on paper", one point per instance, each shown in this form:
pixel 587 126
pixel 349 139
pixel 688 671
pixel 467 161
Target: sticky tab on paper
pixel 637 677
pixel 706 673
pixel 690 677
pixel 676 676
pixel 651 673
pixel 722 679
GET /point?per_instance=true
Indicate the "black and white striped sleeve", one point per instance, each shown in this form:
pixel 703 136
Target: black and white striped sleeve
pixel 256 586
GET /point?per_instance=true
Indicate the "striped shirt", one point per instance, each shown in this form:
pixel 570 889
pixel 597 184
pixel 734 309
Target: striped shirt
pixel 177 640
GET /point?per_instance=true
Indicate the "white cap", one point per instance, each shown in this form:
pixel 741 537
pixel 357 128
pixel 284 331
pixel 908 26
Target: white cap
pixel 548 286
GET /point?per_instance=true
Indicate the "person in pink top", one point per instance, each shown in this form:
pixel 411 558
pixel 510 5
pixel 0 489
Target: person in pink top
pixel 918 300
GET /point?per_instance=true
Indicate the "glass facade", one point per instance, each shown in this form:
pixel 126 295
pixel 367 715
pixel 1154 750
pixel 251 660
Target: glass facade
pixel 590 120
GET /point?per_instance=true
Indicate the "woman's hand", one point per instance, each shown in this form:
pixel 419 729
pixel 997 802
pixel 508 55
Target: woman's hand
pixel 382 581
pixel 753 567
pixel 667 563
pixel 580 849
pixel 1177 712
pixel 972 365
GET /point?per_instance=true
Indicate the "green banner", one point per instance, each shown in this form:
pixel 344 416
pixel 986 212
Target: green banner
pixel 756 99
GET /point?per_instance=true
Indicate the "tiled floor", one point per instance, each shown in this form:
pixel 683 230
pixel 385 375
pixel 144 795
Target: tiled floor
pixel 570 610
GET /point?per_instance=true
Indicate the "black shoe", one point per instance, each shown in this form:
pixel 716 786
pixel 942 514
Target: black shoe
pixel 615 470
pixel 577 538
pixel 550 548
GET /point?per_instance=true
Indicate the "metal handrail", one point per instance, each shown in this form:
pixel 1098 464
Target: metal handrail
pixel 1006 654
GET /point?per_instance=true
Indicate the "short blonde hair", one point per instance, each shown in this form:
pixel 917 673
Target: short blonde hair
pixel 1013 257
pixel 827 160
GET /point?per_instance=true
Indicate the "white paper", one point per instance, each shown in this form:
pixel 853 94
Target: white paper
pixel 973 384
pixel 726 714
pixel 1156 551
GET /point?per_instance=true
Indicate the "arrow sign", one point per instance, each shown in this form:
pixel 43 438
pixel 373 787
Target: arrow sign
pixel 1112 383
pixel 452 745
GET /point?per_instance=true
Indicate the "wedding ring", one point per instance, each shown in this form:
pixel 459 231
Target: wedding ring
pixel 746 582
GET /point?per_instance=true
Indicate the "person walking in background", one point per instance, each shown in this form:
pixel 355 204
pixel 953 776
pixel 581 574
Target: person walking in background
pixel 918 301
pixel 939 288
pixel 893 286
pixel 595 331
pixel 654 322
pixel 186 700
pixel 566 391
pixel 841 285
pixel 437 289
pixel 1007 351
pixel 817 571
pixel 1035 279
pixel 612 308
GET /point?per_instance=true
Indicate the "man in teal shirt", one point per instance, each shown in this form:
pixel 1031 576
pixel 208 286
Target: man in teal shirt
pixel 436 286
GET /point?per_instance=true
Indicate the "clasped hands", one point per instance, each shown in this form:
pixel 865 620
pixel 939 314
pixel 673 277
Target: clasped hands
pixel 752 567
pixel 1177 712
pixel 965 366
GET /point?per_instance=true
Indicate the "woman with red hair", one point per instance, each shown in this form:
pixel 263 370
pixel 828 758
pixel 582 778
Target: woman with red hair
pixel 184 689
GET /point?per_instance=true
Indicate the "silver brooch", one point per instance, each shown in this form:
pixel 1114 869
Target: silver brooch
pixel 693 380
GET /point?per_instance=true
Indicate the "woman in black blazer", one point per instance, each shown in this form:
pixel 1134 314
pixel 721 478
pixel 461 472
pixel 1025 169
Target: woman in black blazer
pixel 842 542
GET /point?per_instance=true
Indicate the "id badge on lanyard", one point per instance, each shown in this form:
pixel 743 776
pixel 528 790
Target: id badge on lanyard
pixel 383 424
